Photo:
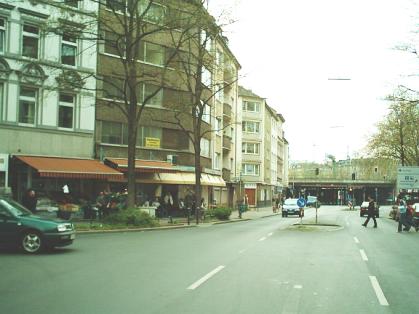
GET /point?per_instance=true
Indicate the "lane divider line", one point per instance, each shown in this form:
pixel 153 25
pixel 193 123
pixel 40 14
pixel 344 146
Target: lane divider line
pixel 205 278
pixel 378 291
pixel 262 239
pixel 363 255
pixel 270 234
pixel 356 240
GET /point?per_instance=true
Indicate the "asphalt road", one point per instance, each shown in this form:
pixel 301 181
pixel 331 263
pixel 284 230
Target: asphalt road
pixel 258 266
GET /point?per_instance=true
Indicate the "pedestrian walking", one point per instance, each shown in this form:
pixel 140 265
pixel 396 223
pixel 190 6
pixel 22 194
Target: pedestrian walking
pixel 30 200
pixel 403 215
pixel 371 212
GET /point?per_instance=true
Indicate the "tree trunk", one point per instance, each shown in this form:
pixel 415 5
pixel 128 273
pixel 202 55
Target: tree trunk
pixel 198 182
pixel 132 137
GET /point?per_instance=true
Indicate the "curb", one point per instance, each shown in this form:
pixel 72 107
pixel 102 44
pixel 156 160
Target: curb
pixel 168 227
pixel 134 229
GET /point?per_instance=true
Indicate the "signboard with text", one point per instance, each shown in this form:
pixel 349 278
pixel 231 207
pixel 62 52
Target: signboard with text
pixel 152 142
pixel 408 178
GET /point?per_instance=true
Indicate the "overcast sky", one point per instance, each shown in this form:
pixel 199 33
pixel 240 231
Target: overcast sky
pixel 289 49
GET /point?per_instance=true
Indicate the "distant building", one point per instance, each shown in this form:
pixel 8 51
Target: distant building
pixel 264 150
pixel 344 180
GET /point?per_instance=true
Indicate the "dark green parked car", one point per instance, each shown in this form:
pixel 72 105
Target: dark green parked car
pixel 19 227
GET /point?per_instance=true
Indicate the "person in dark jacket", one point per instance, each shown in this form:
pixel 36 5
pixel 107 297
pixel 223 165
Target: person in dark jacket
pixel 371 212
pixel 30 200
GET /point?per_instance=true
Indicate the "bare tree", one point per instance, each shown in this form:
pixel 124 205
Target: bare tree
pixel 196 63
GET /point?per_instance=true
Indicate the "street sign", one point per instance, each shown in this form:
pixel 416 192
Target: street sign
pixel 408 178
pixel 301 202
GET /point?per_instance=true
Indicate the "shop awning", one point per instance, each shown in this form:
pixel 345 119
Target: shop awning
pixel 141 165
pixel 180 178
pixel 70 168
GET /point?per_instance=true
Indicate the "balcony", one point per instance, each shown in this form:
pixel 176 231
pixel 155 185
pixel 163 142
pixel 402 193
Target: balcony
pixel 226 174
pixel 227 112
pixel 226 142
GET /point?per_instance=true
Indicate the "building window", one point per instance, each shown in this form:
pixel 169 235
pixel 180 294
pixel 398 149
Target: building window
pixel 153 12
pixel 250 148
pixel 2 35
pixel 66 111
pixel 68 50
pixel 114 133
pixel 219 58
pixel 113 88
pixel 217 158
pixel 206 77
pixel 218 127
pixel 30 41
pixel 72 3
pixel 251 169
pixel 149 136
pixel 151 53
pixel 205 147
pixel 116 5
pixel 114 44
pixel 250 126
pixel 27 105
pixel 206 116
pixel 251 106
pixel 206 40
pixel 220 93
pixel 151 94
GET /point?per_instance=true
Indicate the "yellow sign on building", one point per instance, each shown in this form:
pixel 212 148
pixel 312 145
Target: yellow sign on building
pixel 152 142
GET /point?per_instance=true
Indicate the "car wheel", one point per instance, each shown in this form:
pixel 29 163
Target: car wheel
pixel 31 242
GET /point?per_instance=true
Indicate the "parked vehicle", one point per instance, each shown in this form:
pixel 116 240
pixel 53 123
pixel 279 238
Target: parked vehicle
pixel 364 210
pixel 291 207
pixel 19 227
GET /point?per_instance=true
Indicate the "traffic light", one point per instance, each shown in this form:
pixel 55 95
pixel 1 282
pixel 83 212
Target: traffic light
pixel 317 171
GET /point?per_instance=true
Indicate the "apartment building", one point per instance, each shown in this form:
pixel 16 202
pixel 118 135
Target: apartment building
pixel 263 160
pixel 47 94
pixel 165 157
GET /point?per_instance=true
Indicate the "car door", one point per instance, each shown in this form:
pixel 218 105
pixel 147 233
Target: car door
pixel 9 226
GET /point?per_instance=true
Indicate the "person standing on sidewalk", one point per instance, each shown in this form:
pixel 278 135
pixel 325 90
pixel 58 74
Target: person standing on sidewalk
pixel 403 215
pixel 371 212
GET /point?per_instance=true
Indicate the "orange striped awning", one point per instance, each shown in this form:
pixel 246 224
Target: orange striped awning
pixel 70 168
pixel 141 165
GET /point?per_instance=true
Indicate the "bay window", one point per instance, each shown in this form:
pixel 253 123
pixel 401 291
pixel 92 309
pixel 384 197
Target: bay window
pixel 250 126
pixel 251 106
pixel 250 148
pixel 251 169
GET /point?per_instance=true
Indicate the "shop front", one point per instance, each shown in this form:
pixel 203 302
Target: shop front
pixel 60 179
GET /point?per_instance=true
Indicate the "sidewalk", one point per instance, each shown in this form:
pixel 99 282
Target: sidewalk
pixel 177 223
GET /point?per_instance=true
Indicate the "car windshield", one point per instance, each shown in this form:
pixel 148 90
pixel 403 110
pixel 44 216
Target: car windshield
pixel 291 201
pixel 15 208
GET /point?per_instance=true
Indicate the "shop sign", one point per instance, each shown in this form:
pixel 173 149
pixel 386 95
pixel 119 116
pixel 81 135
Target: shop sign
pixel 152 142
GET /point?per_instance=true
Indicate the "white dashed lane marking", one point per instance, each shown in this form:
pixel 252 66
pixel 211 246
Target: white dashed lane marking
pixel 356 240
pixel 378 292
pixel 363 255
pixel 205 278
